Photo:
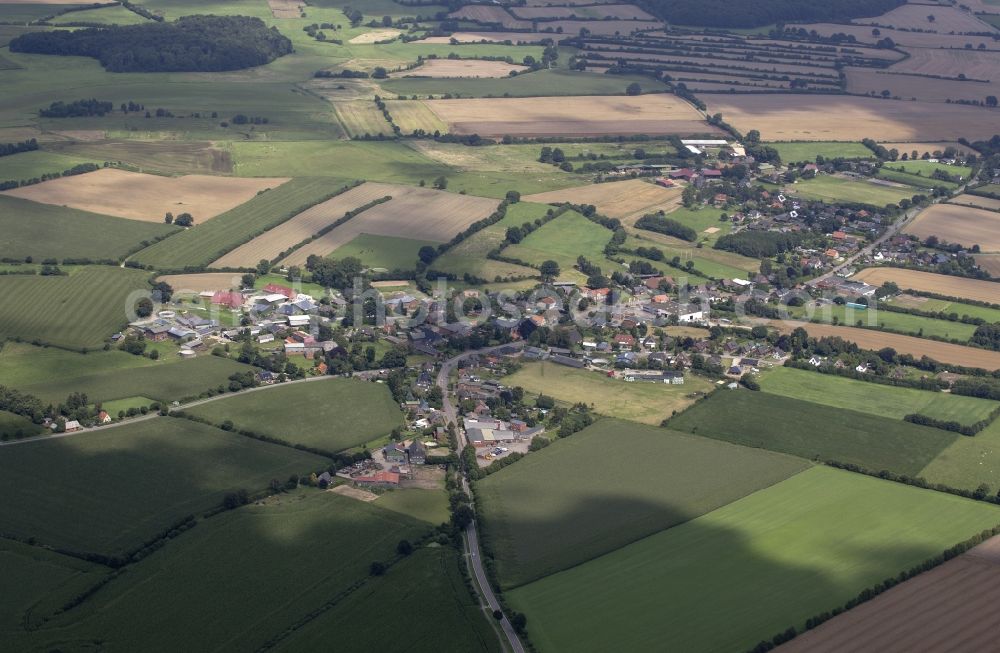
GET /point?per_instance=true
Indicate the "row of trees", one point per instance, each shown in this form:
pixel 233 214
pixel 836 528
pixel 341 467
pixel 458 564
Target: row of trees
pixel 6 149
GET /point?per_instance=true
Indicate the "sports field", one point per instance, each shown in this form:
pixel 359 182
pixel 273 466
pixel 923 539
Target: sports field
pixel 77 311
pixel 815 431
pixel 648 403
pixel 329 414
pixel 940 284
pixel 207 242
pixel 165 380
pixel 44 231
pixel 836 189
pixel 543 515
pixel 751 569
pixel 808 151
pixel 874 398
pixel 111 490
pixel 283 544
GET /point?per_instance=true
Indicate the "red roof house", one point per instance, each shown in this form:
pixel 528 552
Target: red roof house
pixel 228 298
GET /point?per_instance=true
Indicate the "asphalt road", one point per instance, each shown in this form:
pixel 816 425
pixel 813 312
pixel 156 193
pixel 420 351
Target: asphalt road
pixel 473 553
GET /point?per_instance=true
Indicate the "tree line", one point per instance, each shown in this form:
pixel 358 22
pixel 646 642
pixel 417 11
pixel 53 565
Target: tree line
pixel 6 149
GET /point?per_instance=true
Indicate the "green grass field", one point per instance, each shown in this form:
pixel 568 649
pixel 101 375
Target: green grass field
pixel 430 506
pixel 386 161
pixel 164 381
pixel 44 231
pixel 807 152
pixel 383 251
pixel 916 181
pixel 16 426
pixel 77 311
pixel 926 168
pixel 114 15
pixel 469 256
pixel 557 81
pixel 29 165
pixel 715 263
pixel 546 513
pixel 331 414
pixel 968 462
pixel 25 364
pixel 825 187
pixel 901 322
pixel 206 242
pixel 648 403
pixel 873 398
pixel 307 548
pixel 815 431
pixel 742 573
pixel 563 240
pixel 111 490
pixel 949 307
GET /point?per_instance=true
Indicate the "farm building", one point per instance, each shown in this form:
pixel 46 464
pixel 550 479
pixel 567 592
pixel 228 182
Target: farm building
pixel 378 479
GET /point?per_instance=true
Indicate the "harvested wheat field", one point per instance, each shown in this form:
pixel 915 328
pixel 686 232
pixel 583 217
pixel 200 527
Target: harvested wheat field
pixel 616 199
pixel 413 213
pixel 942 352
pixel 598 12
pixel 869 81
pixel 976 201
pixel 411 115
pixel 785 117
pixel 915 17
pixel 959 224
pixel 461 68
pixel 272 243
pixel 376 37
pixel 490 15
pixel 947 608
pixel 939 284
pixel 493 37
pixel 571 116
pixel 202 282
pixel 863 34
pixel 286 8
pixel 928 148
pixel 990 263
pixel 974 64
pixel 147 197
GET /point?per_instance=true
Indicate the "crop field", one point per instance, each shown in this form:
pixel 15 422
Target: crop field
pixel 163 157
pixel 114 15
pixel 44 231
pixel 25 364
pixel 781 117
pixel 272 243
pixel 815 431
pixel 487 14
pixel 376 36
pixel 959 309
pixel 603 27
pixel 914 17
pixel 616 199
pixel 460 68
pixel 959 224
pixel 469 256
pixel 808 151
pixel 596 12
pixel 648 403
pixel 938 596
pixel 974 200
pixel 284 544
pixel 874 398
pixel 935 150
pixel 815 540
pixel 77 311
pixel 975 64
pixel 201 282
pixel 162 380
pixel 541 516
pixel 207 242
pixel 572 116
pixel 492 37
pixel 983 291
pixel 563 240
pixel 286 8
pixel 413 213
pixel 917 325
pixel 837 189
pixel 922 39
pixel 331 414
pixel 943 352
pixel 146 197
pixel 427 595
pixel 990 263
pixel 140 478
pixel 361 117
pixel 906 86
pixel 413 115
pixel 385 252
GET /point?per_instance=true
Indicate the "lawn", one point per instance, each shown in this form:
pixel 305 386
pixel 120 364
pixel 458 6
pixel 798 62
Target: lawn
pixel 331 414
pixel 386 252
pixel 109 491
pixel 744 572
pixel 815 431
pixel 79 311
pixel 648 403
pixel 240 579
pixel 206 242
pixel 16 426
pixel 827 188
pixel 873 398
pixel 807 152
pixel 469 256
pixel 44 231
pixel 555 81
pixel 163 381
pixel 901 322
pixel 563 240
pixel 607 486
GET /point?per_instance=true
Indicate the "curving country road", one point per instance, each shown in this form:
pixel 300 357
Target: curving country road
pixel 472 550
